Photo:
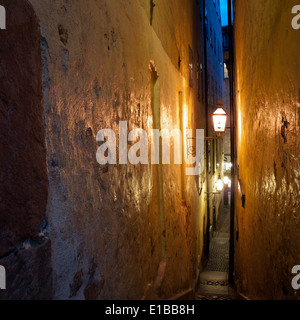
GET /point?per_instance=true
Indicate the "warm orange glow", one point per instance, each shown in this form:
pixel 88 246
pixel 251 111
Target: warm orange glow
pixel 240 124
pixel 185 121
pixel 165 118
pixel 149 122
pixel 185 117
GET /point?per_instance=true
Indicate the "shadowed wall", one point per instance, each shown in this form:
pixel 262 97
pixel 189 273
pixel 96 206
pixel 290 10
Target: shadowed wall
pixel 24 252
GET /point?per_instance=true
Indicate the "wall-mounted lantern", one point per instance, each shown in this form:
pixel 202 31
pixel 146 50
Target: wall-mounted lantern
pixel 219 184
pixel 220 120
pixel 226 180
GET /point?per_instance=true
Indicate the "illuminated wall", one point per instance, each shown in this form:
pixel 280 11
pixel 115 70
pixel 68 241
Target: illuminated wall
pixel 120 231
pixel 268 119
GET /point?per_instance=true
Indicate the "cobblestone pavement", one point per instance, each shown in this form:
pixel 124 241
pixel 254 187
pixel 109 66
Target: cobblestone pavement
pixel 219 246
pixel 213 283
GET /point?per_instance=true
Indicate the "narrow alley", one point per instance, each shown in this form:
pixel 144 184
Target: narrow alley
pixel 150 150
pixel 213 281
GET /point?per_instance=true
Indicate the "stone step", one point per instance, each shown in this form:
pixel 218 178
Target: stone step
pixel 214 286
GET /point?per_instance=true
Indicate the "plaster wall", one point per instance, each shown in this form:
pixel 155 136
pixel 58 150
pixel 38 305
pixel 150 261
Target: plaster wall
pixel 267 95
pixel 110 238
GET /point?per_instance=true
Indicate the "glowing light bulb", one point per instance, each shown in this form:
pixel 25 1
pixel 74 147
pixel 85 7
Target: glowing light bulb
pixel 226 180
pixel 219 184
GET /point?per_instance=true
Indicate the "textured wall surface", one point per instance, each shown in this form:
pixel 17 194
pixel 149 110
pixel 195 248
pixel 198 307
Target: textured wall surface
pixel 267 91
pixel 110 238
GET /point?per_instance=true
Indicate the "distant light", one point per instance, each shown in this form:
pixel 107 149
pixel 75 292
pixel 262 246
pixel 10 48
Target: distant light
pixel 226 180
pixel 219 184
pixel 227 166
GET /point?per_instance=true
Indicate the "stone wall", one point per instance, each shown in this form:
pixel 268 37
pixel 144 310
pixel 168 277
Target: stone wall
pixel 268 119
pixel 110 237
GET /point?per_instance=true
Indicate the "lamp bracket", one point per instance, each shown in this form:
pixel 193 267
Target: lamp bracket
pixel 191 150
pixel 206 138
pixel 213 192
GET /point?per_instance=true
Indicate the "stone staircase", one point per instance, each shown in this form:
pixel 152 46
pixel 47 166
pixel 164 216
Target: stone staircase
pixel 213 282
pixel 214 285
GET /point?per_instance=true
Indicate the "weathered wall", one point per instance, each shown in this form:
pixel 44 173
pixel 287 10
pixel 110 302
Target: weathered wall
pixel 267 91
pixel 110 238
pixel 25 251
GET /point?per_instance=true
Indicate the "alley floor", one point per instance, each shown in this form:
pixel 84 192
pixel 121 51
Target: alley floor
pixel 213 284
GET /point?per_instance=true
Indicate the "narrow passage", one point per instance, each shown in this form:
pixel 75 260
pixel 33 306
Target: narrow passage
pixel 213 284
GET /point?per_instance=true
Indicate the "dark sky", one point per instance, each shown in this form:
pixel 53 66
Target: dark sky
pixel 224 13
